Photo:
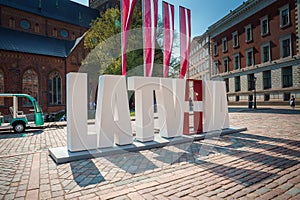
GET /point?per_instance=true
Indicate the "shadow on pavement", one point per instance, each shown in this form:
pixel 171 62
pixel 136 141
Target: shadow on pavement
pixel 264 110
pixel 245 166
pixel 246 173
pixel 86 173
pixel 133 162
pixel 8 134
pixel 246 177
pixel 246 136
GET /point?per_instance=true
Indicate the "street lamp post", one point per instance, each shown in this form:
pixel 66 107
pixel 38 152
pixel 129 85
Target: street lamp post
pixel 254 82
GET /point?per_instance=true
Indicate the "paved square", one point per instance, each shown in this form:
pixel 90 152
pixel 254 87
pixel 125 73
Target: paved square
pixel 262 163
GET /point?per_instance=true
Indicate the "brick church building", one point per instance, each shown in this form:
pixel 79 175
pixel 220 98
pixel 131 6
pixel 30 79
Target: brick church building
pixel 41 41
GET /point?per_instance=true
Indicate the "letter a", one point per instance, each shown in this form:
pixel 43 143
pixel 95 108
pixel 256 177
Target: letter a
pixel 113 123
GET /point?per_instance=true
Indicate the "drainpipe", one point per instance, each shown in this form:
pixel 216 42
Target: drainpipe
pixel 65 78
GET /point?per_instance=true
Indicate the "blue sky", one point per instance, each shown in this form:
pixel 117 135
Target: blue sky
pixel 204 12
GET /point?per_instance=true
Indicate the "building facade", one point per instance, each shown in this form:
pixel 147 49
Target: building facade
pixel 199 66
pixel 41 41
pixel 103 5
pixel 255 49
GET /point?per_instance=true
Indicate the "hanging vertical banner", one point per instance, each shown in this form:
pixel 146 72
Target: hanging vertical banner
pixel 168 18
pixel 185 39
pixel 150 15
pixel 127 7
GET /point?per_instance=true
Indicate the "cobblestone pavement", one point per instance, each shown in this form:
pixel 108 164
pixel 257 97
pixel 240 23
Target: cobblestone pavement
pixel 262 162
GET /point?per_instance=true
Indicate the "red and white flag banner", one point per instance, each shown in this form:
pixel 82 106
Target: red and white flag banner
pixel 185 39
pixel 127 7
pixel 150 15
pixel 168 18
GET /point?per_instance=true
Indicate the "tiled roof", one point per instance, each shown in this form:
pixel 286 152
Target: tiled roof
pixel 62 10
pixel 12 40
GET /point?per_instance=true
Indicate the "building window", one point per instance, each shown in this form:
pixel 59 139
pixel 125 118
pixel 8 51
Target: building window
pixel 264 25
pixel 227 84
pixel 225 64
pixel 1 86
pixel 215 49
pixel 285 46
pixel 36 28
pixel 73 36
pixel 284 16
pixel 249 57
pixel 64 33
pixel 216 67
pixel 265 52
pixel 54 32
pixel 236 58
pixel 12 23
pixel 25 24
pixel 287 77
pixel 267 97
pixel 251 82
pixel 55 89
pixel 267 79
pixel 248 31
pixel 235 39
pixel 286 96
pixel 30 85
pixel 224 44
pixel 237 83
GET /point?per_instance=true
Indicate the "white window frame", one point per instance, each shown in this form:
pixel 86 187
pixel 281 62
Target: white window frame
pixel 289 36
pixel 237 41
pixel 215 49
pixel 239 61
pixel 265 18
pixel 252 60
pixel 289 15
pixel 216 67
pixel 225 61
pixel 262 52
pixel 224 44
pixel 246 30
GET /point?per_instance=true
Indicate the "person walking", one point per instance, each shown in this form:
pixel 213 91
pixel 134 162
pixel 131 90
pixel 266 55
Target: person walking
pixel 292 102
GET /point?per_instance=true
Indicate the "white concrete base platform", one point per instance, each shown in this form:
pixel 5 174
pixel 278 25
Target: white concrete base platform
pixel 62 155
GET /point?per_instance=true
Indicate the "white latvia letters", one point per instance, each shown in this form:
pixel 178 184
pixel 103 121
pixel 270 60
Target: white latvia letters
pixel 113 124
pixel 171 106
pixel 144 112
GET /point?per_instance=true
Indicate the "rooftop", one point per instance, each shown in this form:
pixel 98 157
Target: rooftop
pixel 12 40
pixel 62 10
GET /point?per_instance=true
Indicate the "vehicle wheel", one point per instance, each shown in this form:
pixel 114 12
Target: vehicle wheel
pixel 19 127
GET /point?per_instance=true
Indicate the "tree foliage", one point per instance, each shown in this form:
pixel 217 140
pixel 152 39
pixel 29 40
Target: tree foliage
pixel 104 40
pixel 102 28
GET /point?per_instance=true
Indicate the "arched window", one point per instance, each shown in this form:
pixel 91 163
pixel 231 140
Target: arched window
pixel 54 88
pixel 36 28
pixel 73 36
pixel 12 22
pixel 1 86
pixel 30 85
pixel 54 32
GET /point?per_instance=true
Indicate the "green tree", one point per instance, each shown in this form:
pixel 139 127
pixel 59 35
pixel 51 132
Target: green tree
pixel 104 40
pixel 102 28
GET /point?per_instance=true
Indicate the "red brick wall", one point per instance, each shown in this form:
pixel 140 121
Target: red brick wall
pixel 14 64
pixel 275 32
